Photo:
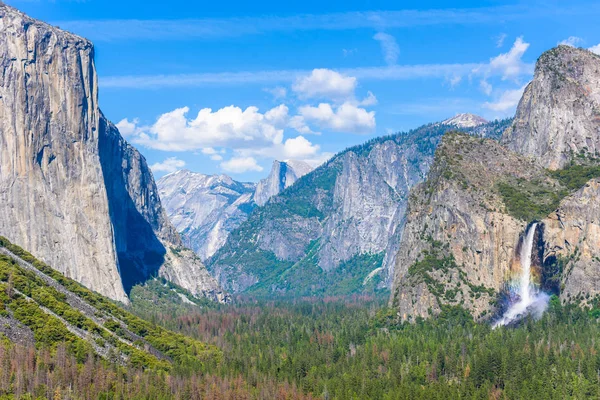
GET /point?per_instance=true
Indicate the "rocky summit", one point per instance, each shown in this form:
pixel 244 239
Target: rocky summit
pixel 283 175
pixel 72 190
pixel 206 208
pixel 465 225
pixel 465 120
pixel 558 117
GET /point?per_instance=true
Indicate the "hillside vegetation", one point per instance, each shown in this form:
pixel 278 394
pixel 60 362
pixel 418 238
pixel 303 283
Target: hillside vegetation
pixel 58 310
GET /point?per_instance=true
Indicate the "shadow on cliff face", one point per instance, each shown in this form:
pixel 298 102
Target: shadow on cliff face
pixel 139 250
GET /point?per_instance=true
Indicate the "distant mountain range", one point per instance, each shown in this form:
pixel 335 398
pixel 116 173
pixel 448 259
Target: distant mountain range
pixel 206 208
pixel 336 230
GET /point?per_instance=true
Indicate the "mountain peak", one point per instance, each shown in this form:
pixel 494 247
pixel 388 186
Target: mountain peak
pixel 557 117
pixel 465 120
pixel 283 174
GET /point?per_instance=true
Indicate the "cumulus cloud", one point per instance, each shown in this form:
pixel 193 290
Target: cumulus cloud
pixel 510 65
pixel 572 41
pixel 325 83
pixel 214 155
pixel 227 127
pixel 238 165
pixel 169 165
pixel 346 118
pixel 595 49
pixel 251 136
pixel 247 133
pixel 507 101
pixel 128 128
pixel 299 148
pixel 299 125
pixel 389 47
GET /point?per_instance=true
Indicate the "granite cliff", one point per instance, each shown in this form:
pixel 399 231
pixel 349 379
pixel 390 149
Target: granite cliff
pixel 206 208
pixel 72 190
pixel 465 224
pixel 336 230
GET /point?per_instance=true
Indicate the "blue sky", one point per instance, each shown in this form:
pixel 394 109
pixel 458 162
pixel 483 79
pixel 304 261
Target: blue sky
pixel 227 87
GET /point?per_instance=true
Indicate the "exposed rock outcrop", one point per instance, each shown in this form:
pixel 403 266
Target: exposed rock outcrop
pixel 572 243
pixel 205 208
pixel 464 224
pixel 52 196
pixel 465 120
pixel 72 190
pixel 459 240
pixel 558 116
pixel 283 174
pixel 340 223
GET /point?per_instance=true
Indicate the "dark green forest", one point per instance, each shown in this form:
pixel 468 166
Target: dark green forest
pixel 332 348
pixel 354 348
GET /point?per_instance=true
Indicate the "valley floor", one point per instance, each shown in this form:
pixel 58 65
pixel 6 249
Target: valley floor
pixel 353 348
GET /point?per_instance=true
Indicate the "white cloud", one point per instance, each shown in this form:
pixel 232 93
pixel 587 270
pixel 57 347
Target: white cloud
pixel 510 65
pixel 227 127
pixel 346 118
pixel 126 127
pixel 209 151
pixel 278 92
pixel 486 87
pixel 379 73
pixel 507 101
pixel 298 123
pixel 572 41
pixel 238 165
pixel 277 116
pixel 299 148
pixel 171 164
pixel 595 49
pixel 325 83
pixel 500 40
pixel 370 100
pixel 212 153
pixel 319 159
pixel 389 47
pixel 454 81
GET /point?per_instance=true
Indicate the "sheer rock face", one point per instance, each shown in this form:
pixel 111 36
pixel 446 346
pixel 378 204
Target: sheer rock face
pixel 146 241
pixel 459 213
pixel 283 174
pixel 205 208
pixel 558 116
pixel 353 205
pixel 52 196
pixel 460 210
pixel 572 234
pixel 72 191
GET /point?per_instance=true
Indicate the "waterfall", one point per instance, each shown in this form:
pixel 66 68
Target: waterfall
pixel 528 299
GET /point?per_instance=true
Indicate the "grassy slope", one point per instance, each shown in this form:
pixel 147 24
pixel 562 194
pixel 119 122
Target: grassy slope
pixel 59 310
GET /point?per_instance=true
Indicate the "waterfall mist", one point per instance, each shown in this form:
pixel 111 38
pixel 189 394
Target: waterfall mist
pixel 526 297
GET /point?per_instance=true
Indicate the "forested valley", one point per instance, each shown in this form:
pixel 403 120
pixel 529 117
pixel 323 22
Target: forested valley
pixel 336 348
